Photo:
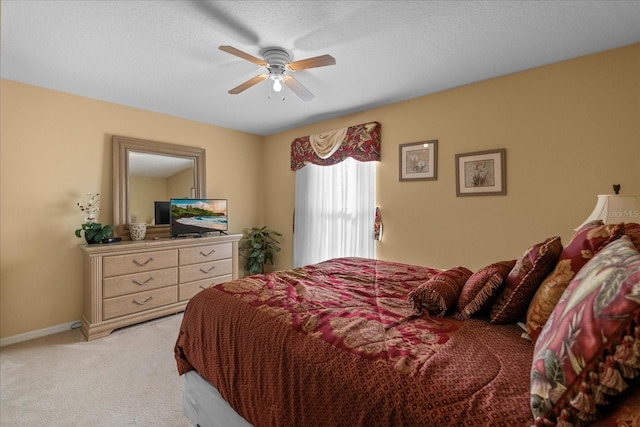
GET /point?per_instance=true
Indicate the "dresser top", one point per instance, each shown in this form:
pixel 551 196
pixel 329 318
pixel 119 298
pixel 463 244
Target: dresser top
pixel 155 244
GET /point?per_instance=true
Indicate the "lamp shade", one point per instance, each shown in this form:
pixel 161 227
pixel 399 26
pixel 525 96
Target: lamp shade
pixel 615 208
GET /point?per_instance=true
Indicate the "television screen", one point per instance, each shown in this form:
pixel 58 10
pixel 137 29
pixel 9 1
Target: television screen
pixel 162 210
pixel 198 216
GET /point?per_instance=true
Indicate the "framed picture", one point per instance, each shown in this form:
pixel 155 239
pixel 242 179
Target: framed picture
pixel 419 160
pixel 482 173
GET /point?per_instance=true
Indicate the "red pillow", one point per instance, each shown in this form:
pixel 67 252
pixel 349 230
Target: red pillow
pixel 440 293
pixel 524 279
pixel 586 242
pixel 482 289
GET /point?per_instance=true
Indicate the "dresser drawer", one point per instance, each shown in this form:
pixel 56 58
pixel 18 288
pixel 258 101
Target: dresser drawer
pixel 205 270
pixel 188 290
pixel 134 303
pixel 132 283
pixel 127 264
pixel 205 253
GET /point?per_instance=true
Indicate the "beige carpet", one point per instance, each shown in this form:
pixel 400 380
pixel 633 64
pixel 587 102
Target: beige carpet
pixel 126 379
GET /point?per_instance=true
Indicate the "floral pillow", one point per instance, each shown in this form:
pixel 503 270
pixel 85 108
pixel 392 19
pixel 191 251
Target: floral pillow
pixel 524 279
pixel 586 242
pixel 588 347
pixel 482 289
pixel 440 293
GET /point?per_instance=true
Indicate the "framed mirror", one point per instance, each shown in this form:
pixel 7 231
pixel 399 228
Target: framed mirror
pixel 146 172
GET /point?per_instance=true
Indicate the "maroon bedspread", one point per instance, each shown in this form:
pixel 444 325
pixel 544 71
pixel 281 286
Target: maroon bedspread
pixel 334 345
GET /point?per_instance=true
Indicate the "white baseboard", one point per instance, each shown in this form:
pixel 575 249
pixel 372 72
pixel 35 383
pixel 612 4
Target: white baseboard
pixel 37 334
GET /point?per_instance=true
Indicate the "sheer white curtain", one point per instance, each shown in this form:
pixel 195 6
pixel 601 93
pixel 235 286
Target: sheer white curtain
pixel 334 212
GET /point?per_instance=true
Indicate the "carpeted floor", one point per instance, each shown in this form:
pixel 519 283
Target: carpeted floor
pixel 126 379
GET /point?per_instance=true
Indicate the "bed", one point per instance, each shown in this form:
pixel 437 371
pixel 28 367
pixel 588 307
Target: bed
pixel 349 342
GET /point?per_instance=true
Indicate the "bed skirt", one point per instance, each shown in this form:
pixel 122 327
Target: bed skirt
pixel 203 405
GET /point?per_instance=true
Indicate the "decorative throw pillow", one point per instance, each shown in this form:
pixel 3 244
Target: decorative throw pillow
pixel 586 242
pixel 524 279
pixel 482 289
pixel 440 293
pixel 588 347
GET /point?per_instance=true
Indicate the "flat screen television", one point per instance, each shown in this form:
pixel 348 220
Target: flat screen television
pixel 162 212
pixel 198 216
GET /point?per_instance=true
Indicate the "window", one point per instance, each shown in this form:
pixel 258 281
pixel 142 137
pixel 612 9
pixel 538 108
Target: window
pixel 334 211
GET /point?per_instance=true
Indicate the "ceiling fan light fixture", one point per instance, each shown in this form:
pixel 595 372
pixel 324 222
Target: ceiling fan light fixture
pixel 277 86
pixel 276 75
pixel 276 80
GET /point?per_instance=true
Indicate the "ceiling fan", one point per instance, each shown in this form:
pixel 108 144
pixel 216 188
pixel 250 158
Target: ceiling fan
pixel 277 62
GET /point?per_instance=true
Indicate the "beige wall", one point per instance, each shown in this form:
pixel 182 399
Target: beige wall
pixel 54 148
pixel 570 130
pixel 180 185
pixel 143 192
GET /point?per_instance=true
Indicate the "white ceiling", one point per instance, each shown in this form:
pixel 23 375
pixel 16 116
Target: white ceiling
pixel 156 165
pixel 163 55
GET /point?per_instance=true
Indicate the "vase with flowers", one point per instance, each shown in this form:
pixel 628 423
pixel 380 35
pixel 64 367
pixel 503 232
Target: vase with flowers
pixel 94 232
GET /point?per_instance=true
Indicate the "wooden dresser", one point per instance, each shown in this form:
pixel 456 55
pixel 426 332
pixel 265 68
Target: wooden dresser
pixel 130 282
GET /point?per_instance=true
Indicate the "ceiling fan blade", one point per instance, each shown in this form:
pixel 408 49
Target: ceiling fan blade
pixel 246 85
pixel 297 88
pixel 318 61
pixel 237 52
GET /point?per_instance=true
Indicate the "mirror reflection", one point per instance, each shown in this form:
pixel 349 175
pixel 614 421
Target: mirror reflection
pixel 154 179
pixel 146 172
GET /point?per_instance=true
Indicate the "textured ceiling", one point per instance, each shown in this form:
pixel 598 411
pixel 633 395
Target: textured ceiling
pixel 162 55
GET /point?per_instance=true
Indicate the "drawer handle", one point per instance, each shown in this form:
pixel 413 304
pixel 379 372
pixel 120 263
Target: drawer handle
pixel 207 287
pixel 140 282
pixel 142 264
pixel 212 251
pixel 213 267
pixel 143 302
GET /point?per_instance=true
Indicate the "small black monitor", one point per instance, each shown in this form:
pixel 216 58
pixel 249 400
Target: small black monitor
pixel 163 214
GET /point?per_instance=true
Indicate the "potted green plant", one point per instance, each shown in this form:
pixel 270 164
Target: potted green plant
pixel 258 246
pixel 94 232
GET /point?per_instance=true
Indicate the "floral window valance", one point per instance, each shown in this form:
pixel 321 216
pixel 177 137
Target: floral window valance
pixel 362 142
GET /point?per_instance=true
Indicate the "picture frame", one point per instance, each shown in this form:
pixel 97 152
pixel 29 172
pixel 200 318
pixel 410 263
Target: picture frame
pixel 481 173
pixel 419 161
